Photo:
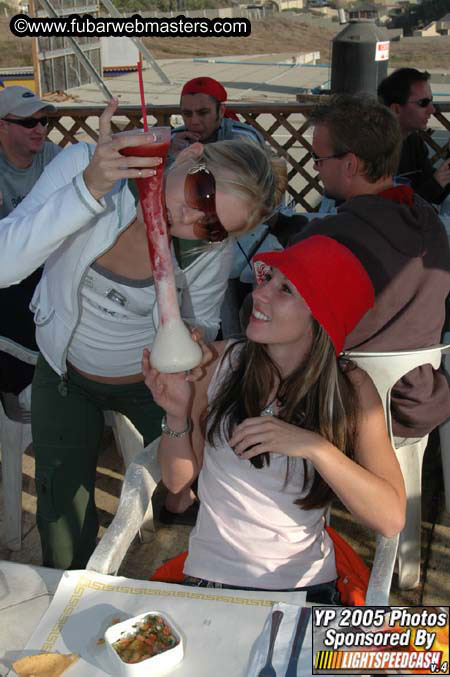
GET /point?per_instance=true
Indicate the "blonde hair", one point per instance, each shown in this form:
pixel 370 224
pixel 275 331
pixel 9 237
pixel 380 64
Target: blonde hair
pixel 248 170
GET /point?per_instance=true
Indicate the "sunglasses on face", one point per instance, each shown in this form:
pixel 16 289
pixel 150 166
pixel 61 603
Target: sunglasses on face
pixel 200 193
pixel 30 123
pixel 423 103
pixel 317 159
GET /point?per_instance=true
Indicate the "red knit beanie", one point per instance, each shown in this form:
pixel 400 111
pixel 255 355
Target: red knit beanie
pixel 330 279
pixel 205 85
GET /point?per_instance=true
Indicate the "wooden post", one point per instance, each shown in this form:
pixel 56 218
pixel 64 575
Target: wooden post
pixel 35 54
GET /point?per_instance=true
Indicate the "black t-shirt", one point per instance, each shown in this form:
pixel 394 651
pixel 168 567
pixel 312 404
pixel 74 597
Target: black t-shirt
pixel 416 167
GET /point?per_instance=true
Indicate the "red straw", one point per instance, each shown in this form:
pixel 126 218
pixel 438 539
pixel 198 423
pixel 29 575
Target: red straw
pixel 141 89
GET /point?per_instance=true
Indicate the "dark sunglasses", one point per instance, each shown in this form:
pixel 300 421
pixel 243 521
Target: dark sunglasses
pixel 423 103
pixel 30 123
pixel 200 193
pixel 317 159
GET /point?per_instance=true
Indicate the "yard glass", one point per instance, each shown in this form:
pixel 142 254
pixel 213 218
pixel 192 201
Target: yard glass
pixel 173 349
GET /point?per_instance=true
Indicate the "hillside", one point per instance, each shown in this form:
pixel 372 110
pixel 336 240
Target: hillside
pixel 279 34
pixel 283 33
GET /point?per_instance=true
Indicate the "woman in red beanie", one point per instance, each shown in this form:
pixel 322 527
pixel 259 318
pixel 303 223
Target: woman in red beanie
pixel 277 426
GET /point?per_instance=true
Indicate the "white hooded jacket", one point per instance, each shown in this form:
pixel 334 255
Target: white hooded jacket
pixel 60 223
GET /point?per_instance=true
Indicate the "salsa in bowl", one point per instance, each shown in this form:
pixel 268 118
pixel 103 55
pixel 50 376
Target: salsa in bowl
pixel 146 644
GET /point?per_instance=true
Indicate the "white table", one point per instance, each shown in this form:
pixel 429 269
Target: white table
pixel 25 595
pixel 86 601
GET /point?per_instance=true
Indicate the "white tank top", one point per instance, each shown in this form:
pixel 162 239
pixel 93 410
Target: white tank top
pixel 249 532
pixel 115 324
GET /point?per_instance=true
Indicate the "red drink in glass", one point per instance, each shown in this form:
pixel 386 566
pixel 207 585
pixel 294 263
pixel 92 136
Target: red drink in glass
pixel 157 148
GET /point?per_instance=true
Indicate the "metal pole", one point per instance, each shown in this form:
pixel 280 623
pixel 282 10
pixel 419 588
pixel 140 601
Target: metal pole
pixel 141 47
pixel 80 54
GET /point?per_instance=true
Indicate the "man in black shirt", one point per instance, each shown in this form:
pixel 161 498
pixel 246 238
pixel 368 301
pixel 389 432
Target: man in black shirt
pixel 408 94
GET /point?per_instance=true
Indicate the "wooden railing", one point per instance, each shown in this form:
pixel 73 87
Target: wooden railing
pixel 283 126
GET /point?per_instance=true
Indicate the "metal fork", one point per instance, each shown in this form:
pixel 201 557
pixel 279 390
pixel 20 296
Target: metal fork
pixel 297 644
pixel 268 670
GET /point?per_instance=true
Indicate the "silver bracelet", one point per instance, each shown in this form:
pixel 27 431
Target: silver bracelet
pixel 172 433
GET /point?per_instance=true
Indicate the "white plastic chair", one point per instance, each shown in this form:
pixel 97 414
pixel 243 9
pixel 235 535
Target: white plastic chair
pixel 386 369
pixel 15 437
pixel 141 478
pixel 137 490
pixel 130 445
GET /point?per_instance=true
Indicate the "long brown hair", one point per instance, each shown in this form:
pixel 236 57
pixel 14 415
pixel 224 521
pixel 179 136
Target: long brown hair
pixel 317 396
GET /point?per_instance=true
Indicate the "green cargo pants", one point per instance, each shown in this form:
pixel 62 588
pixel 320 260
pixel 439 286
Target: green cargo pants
pixel 67 426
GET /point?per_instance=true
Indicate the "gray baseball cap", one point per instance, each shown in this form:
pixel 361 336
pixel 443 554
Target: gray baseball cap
pixel 21 101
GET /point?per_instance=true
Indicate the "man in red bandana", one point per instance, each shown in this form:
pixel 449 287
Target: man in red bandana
pixel 206 117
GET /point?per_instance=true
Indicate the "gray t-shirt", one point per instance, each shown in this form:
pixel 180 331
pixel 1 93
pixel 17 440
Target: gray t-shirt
pixel 16 320
pixel 16 183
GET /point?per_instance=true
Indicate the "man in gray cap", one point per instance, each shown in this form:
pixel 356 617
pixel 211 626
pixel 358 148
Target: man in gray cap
pixel 24 153
pixel 24 150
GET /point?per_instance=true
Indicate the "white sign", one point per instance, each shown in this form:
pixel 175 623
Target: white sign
pixel 382 51
pixel 119 52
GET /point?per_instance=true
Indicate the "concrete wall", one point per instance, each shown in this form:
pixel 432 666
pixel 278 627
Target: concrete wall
pixel 427 32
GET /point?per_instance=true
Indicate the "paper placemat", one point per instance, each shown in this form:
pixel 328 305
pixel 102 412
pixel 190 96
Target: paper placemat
pixel 219 626
pixel 283 645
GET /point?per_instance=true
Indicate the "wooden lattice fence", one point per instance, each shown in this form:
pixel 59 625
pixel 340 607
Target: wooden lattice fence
pixel 283 126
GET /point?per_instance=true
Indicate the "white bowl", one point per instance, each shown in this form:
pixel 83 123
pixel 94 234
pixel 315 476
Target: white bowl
pixel 155 665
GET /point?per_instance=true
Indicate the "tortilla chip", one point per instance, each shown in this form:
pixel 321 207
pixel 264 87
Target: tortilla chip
pixel 44 664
